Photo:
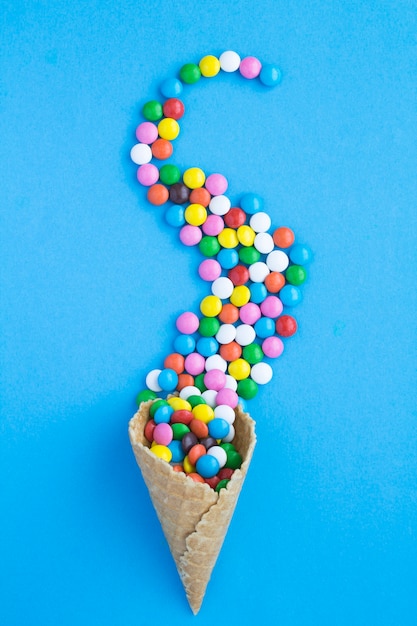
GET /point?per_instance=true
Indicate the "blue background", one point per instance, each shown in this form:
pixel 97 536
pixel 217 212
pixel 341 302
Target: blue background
pixel 92 280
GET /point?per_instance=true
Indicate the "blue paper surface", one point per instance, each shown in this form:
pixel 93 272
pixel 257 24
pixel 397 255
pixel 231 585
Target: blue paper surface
pixel 92 280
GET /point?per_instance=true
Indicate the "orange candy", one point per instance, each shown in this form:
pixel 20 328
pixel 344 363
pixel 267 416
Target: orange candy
pixel 200 196
pixel 230 351
pixel 274 282
pixel 177 468
pixel 157 194
pixel 175 362
pixel 195 452
pixel 229 314
pixel 185 380
pixel 199 428
pixel 162 149
pixel 283 237
pixel 196 477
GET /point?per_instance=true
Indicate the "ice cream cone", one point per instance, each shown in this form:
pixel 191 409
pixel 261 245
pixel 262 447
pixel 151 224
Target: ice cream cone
pixel 193 516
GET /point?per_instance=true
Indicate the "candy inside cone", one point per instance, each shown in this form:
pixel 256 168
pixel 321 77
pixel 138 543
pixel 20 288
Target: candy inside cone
pixel 193 516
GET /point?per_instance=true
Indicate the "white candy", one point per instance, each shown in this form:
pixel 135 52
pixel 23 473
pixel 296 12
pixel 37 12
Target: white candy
pixel 231 383
pixel 215 362
pixel 277 261
pixel 225 412
pixel 152 380
pixel 260 222
pixel 226 333
pixel 219 205
pixel 141 153
pixel 245 334
pixel 261 373
pixel 188 391
pixel 222 287
pixel 258 272
pixel 210 397
pixel 230 436
pixel 219 453
pixel 229 61
pixel 264 243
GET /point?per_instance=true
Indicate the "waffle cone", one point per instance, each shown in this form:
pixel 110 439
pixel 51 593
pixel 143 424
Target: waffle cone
pixel 193 516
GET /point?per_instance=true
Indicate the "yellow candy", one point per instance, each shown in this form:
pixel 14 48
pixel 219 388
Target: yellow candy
pixel 210 306
pixel 168 128
pixel 203 412
pixel 209 66
pixel 194 178
pixel 195 214
pixel 246 235
pixel 178 404
pixel 188 468
pixel 240 295
pixel 228 238
pixel 162 452
pixel 239 369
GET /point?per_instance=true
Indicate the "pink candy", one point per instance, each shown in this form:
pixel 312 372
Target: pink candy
pixel 190 235
pixel 215 379
pixel 147 132
pixel 216 184
pixel 209 270
pixel 213 225
pixel 194 363
pixel 187 323
pixel 272 347
pixel 148 174
pixel 162 434
pixel 227 396
pixel 250 67
pixel 271 307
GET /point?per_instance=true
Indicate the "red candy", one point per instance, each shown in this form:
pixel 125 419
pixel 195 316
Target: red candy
pixel 149 428
pixel 173 108
pixel 213 482
pixel 225 473
pixel 239 275
pixel 182 416
pixel 235 217
pixel 286 326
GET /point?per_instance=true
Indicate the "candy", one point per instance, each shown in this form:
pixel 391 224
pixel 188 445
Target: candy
pixel 190 73
pixel 218 356
pixel 194 177
pixel 229 61
pixel 147 132
pixel 207 466
pixel 141 153
pixel 250 67
pixel 270 75
pixel 209 66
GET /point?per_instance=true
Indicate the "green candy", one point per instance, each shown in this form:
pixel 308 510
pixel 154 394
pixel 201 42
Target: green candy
pixel 194 400
pixel 253 353
pixel 144 396
pixel 190 73
pixel 155 406
pixel 247 388
pixel 234 459
pixel 222 484
pixel 179 430
pixel 208 327
pixel 209 246
pixel 169 174
pixel 249 255
pixel 228 447
pixel 199 379
pixel 296 274
pixel 152 111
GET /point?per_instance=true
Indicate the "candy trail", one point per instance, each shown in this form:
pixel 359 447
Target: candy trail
pixel 222 353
